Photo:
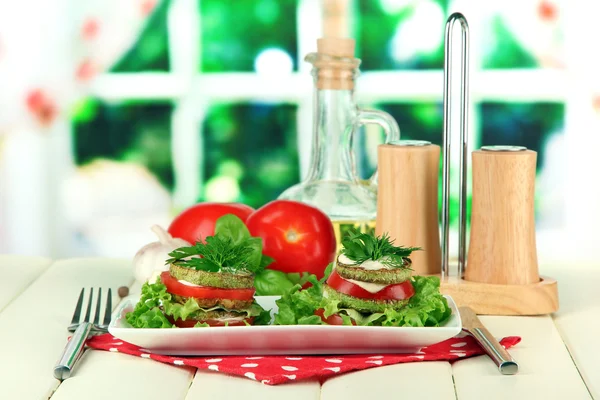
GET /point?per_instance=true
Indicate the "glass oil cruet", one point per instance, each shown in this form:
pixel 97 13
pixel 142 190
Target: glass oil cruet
pixel 332 183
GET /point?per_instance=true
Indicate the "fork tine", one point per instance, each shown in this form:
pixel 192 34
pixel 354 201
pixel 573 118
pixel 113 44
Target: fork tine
pixel 108 310
pixel 88 311
pixel 98 304
pixel 77 312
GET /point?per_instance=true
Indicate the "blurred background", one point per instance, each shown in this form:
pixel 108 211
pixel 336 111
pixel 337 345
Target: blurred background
pixel 117 114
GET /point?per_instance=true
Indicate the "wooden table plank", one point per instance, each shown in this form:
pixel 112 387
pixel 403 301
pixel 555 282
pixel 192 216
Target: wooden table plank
pixel 104 375
pixel 209 385
pixel 33 333
pixel 426 380
pixel 578 319
pixel 18 272
pixel 546 368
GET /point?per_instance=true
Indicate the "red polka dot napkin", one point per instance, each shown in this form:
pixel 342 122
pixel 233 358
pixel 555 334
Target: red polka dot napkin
pixel 273 370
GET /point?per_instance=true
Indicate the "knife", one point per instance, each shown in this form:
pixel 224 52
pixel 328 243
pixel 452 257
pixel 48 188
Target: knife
pixel 473 326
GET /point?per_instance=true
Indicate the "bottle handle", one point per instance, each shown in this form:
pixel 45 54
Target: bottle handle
pixel 390 128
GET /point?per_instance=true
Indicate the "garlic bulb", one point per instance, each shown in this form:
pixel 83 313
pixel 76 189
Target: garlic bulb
pixel 150 260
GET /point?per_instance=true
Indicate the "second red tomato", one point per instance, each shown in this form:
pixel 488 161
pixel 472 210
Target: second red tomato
pixel 299 237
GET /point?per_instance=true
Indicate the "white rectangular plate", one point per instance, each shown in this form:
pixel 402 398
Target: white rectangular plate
pixel 280 339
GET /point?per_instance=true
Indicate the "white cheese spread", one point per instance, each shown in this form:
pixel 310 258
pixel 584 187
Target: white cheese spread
pixel 374 265
pixel 368 286
pixel 186 283
pixel 345 260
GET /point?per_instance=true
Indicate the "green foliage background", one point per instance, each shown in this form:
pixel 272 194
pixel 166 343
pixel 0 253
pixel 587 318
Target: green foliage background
pixel 256 143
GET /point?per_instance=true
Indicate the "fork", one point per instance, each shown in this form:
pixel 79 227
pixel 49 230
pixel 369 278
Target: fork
pixel 82 329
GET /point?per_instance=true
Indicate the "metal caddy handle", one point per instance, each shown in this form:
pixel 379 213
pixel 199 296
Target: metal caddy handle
pixel 464 101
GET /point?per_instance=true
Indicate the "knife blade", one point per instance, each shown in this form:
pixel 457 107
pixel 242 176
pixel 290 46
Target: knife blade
pixel 473 326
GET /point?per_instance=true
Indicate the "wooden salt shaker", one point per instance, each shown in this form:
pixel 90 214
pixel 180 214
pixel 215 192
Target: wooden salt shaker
pixel 407 200
pixel 502 248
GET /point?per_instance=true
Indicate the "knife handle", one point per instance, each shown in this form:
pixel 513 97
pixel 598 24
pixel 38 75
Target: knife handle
pixel 506 364
pixel 72 351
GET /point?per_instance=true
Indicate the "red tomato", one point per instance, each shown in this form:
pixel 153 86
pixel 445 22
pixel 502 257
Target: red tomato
pixel 332 319
pixel 179 289
pixel 399 291
pixel 189 323
pixel 198 221
pixel 299 237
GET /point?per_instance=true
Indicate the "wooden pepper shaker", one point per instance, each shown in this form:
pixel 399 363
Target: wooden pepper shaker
pixel 502 247
pixel 407 200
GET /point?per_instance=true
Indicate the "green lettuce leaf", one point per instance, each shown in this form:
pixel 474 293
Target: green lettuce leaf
pixel 155 304
pixel 180 311
pixel 147 312
pixel 426 308
pixel 298 306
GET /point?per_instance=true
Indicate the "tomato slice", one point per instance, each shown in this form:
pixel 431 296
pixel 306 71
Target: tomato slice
pixel 398 291
pixel 189 323
pixel 204 292
pixel 332 319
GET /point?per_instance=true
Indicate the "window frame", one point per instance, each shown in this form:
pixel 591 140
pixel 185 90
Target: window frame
pixel 193 91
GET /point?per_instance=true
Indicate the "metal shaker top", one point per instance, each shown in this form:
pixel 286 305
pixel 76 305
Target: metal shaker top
pixel 503 148
pixel 414 143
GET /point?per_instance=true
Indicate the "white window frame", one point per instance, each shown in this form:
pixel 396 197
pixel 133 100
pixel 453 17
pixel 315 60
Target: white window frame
pixel 192 92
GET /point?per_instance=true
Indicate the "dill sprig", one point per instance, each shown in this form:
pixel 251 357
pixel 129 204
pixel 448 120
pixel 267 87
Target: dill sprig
pixel 361 247
pixel 218 254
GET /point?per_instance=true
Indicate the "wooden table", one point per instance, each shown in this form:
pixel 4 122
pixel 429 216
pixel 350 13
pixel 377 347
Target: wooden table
pixel 559 356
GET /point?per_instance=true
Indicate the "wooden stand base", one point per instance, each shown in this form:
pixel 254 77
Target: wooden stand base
pixel 489 299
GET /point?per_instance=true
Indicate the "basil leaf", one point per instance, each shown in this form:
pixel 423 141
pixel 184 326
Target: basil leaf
pixel 270 282
pixel 230 226
pixel 298 279
pixel 254 256
pixel 327 272
pixel 265 261
pixel 264 318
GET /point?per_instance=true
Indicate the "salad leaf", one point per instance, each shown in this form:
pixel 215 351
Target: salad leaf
pixel 427 307
pixel 254 257
pixel 230 226
pixel 270 282
pixel 147 312
pixel 298 306
pixel 327 272
pixel 231 249
pixel 155 303
pixel 265 261
pixel 263 318
pixel 180 311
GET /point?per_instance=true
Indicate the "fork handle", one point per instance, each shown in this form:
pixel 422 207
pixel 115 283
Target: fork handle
pixel 72 351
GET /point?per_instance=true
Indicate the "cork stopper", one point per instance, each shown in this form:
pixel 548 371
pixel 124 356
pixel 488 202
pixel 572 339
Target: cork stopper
pixel 336 47
pixel 334 63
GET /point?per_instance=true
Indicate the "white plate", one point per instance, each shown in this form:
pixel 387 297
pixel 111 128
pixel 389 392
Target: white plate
pixel 280 339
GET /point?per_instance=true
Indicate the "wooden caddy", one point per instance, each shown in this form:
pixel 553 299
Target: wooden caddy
pixel 501 277
pixel 500 299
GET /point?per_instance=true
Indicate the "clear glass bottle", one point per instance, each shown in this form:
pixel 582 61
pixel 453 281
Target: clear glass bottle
pixel 332 183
